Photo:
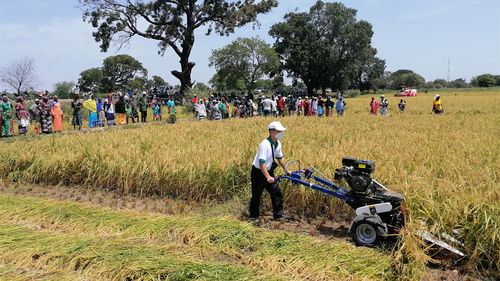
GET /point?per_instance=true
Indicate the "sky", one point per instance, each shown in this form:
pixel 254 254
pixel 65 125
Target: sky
pixel 417 35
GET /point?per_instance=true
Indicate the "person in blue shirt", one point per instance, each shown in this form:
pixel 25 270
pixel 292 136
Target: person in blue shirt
pixel 172 111
pixel 340 106
pixel 157 112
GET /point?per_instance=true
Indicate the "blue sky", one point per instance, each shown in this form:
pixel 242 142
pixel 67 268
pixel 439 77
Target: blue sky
pixel 417 35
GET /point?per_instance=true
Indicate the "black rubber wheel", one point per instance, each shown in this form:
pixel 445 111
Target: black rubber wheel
pixel 364 233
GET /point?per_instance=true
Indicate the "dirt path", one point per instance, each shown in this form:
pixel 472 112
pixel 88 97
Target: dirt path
pixel 321 228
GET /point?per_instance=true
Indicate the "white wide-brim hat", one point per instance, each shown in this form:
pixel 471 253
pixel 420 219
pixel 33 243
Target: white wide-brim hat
pixel 276 125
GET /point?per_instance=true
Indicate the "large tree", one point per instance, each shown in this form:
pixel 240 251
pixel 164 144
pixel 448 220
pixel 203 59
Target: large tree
pixel 90 80
pixel 484 80
pixel 371 73
pixel 405 77
pixel 248 59
pixel 170 22
pixel 64 89
pixel 118 71
pixel 324 47
pixel 19 76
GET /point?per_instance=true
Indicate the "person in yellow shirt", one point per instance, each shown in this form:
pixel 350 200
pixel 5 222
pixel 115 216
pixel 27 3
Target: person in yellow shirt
pixel 437 106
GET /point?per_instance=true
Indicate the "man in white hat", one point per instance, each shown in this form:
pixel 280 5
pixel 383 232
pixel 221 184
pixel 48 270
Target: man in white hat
pixel 262 175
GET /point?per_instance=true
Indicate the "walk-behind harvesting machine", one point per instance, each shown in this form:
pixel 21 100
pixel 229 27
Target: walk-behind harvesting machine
pixel 380 213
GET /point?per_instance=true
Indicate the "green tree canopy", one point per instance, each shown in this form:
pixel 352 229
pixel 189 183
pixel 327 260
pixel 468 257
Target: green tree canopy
pixel 325 47
pixel 484 80
pixel 441 83
pixel 64 90
pixel 405 77
pixel 118 71
pixel 226 82
pixel 371 74
pixel 201 87
pixel 172 23
pixel 248 59
pixel 458 83
pixel 90 80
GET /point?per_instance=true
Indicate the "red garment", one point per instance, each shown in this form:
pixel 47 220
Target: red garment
pixel 194 100
pixel 307 108
pixel 21 111
pixel 374 106
pixel 281 103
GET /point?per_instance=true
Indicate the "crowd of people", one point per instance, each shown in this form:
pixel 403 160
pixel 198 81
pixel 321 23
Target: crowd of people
pixel 46 113
pixel 213 108
pixel 128 108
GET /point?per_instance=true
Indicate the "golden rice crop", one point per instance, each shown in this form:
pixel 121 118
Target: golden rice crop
pixel 447 166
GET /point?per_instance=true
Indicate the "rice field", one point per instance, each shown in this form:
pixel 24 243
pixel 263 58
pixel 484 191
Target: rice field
pixel 446 166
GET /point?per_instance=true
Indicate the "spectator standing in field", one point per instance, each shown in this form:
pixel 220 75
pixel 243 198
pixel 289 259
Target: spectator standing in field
pixel 201 109
pixel 292 106
pixel 299 105
pixel 101 115
pixel 402 105
pixel 23 117
pixel 194 103
pixel 7 118
pixel 128 113
pixel 35 116
pixel 109 110
pixel 307 106
pixel 93 117
pixel 223 109
pixel 281 106
pixel 156 112
pixel 216 111
pixel 76 119
pixel 437 105
pixel 321 104
pixel 384 105
pixel 374 106
pixel 314 106
pixel 260 106
pixel 329 106
pixel 172 111
pixel 143 107
pixel 120 110
pixel 45 117
pixel 267 105
pixel 262 174
pixel 274 107
pixel 340 106
pixel 57 114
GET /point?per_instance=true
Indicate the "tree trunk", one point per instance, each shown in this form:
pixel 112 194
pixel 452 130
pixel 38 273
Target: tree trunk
pixel 184 75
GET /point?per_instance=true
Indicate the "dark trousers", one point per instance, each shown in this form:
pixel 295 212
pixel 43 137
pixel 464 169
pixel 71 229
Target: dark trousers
pixel 259 183
pixel 144 114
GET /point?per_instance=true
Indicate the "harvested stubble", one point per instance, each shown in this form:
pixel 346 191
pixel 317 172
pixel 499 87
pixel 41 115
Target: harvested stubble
pixel 447 166
pixel 273 254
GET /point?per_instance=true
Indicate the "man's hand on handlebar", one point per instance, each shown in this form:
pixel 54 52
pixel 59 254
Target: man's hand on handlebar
pixel 271 180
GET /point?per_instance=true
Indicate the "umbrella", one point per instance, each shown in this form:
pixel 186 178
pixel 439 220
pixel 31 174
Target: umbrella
pixel 90 104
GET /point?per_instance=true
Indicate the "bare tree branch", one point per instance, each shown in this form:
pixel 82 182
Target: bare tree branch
pixel 20 76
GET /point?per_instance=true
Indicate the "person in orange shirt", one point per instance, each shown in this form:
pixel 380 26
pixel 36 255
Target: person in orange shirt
pixel 57 114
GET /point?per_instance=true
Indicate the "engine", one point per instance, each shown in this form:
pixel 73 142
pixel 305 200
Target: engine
pixel 357 174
